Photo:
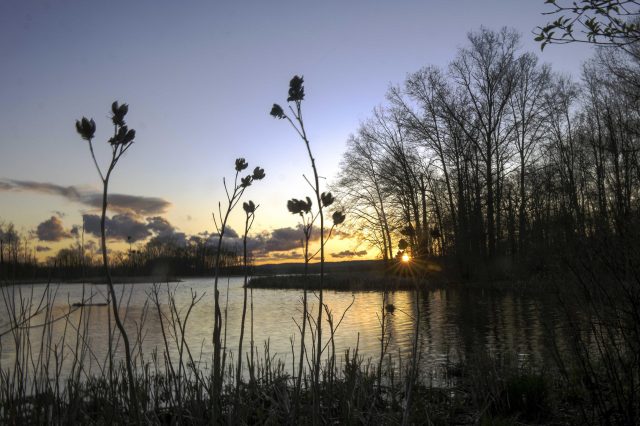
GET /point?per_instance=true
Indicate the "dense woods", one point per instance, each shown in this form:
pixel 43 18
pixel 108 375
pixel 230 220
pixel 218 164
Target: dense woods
pixel 497 156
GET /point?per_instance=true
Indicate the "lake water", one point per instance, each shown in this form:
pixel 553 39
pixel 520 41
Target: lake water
pixel 454 323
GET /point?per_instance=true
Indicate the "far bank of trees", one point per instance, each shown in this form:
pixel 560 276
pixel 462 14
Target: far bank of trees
pixel 498 156
pixel 160 256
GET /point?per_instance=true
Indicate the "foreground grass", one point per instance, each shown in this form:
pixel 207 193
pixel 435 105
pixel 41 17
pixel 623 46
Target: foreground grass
pixel 482 390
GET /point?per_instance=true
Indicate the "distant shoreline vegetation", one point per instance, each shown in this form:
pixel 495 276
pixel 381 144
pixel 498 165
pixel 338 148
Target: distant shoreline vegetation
pixel 338 282
pixel 356 275
pixel 96 280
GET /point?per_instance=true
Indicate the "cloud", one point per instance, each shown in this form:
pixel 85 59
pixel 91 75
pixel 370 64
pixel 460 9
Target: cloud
pixel 160 225
pixel 128 227
pixel 40 249
pixel 284 256
pixel 277 244
pixel 256 243
pixel 118 227
pixel 130 203
pixel 349 253
pixel 283 239
pixel 341 234
pixel 264 244
pixel 165 231
pixel 120 203
pixel 176 238
pixel 52 230
pixel 229 232
pixel 91 223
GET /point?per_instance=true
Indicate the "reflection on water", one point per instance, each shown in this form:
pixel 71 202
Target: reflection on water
pixel 453 323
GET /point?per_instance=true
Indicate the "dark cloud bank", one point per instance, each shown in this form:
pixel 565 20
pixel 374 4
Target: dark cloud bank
pixel 126 227
pixel 281 243
pixel 137 219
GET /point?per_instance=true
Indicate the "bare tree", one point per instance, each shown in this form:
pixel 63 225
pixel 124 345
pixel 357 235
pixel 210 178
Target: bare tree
pixel 486 75
pixel 527 108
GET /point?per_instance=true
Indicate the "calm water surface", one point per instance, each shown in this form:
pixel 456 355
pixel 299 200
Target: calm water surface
pixel 453 323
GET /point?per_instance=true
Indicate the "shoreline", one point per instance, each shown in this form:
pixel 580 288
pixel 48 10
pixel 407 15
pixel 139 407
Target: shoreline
pixel 387 282
pixel 95 280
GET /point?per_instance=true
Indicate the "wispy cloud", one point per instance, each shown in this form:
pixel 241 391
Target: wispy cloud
pixel 120 203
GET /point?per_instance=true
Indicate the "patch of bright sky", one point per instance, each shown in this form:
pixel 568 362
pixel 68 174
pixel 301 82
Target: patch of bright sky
pixel 200 78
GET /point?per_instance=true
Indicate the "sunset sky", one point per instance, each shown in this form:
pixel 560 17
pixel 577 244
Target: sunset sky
pixel 200 78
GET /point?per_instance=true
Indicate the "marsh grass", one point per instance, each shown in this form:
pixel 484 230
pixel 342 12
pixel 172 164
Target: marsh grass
pixel 600 369
pixel 173 383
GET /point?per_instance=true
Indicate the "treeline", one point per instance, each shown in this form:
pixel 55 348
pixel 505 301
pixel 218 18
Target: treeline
pixel 498 157
pixel 158 257
pixel 17 253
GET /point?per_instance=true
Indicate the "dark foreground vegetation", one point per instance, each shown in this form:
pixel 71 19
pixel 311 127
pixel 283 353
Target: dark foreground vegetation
pixel 484 390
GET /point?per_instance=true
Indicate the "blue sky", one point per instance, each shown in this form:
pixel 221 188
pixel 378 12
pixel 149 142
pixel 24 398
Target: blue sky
pixel 200 78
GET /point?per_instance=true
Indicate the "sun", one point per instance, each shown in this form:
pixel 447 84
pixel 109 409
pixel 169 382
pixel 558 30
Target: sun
pixel 405 258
